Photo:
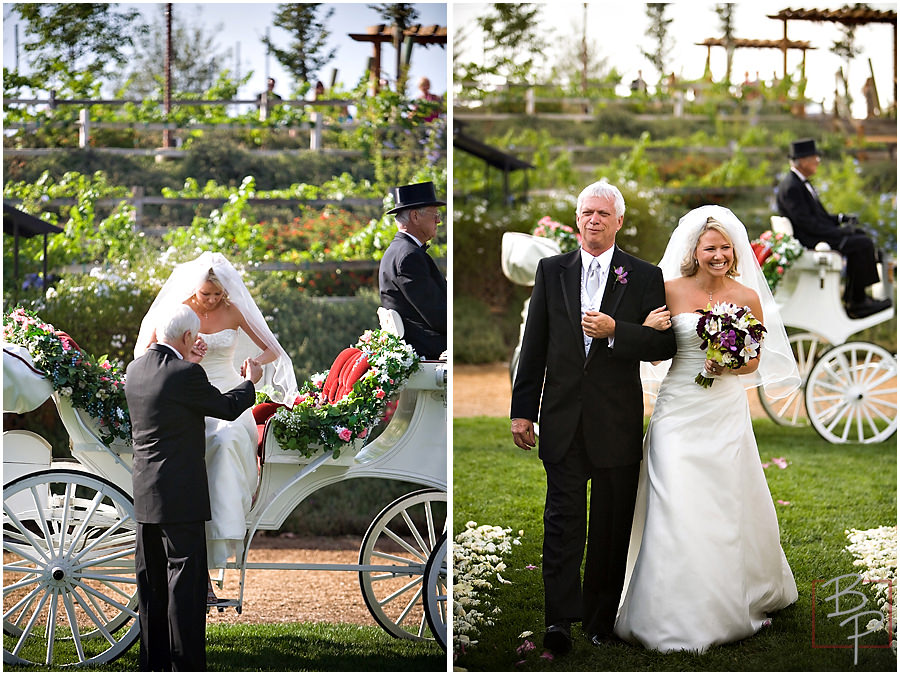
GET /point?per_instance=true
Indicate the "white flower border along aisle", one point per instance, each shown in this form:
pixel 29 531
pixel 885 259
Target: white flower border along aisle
pixel 875 550
pixel 477 558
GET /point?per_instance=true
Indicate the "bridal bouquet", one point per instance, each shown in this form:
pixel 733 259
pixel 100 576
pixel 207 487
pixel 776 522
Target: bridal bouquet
pixel 731 336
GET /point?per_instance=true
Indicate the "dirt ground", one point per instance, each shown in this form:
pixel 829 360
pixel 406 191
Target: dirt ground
pixel 485 390
pixel 275 596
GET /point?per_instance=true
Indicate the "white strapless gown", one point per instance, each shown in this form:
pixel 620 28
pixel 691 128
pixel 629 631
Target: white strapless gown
pixel 709 565
pixel 230 455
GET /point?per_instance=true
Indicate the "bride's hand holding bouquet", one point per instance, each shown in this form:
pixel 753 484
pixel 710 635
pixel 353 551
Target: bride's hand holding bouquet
pixel 731 336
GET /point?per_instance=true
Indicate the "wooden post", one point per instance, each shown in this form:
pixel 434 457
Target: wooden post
pixel 376 68
pixel 84 128
pixel 529 101
pixel 315 134
pixel 784 49
pixel 167 101
pixel 137 201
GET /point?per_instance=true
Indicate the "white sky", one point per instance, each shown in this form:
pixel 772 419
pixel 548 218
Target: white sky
pixel 246 23
pixel 618 31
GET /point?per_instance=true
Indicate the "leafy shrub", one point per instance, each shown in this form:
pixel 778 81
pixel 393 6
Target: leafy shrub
pixel 841 185
pixel 312 330
pixel 477 338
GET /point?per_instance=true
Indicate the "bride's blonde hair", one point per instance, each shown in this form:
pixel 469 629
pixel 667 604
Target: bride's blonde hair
pixel 690 265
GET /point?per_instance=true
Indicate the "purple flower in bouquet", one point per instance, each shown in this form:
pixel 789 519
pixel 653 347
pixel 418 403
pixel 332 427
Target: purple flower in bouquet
pixel 730 335
pixel 621 275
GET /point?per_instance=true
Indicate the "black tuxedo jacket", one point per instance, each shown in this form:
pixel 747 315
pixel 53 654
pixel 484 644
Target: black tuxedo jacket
pixel 411 284
pixel 811 222
pixel 602 390
pixel 168 399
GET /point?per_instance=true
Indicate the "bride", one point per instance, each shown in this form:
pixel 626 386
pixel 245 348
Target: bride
pixel 231 329
pixel 705 564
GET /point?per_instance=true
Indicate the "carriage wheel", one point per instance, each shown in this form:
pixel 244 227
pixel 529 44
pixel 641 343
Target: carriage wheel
pixel 436 591
pixel 790 410
pixel 403 535
pixel 851 394
pixel 69 586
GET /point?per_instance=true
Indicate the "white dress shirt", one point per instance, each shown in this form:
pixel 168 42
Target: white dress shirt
pixel 588 304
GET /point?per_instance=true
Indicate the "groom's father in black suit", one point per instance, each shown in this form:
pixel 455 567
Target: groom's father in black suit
pixel 798 200
pixel 168 397
pixel 579 365
pixel 408 278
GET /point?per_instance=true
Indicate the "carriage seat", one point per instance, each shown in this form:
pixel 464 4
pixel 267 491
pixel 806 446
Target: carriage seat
pixel 390 321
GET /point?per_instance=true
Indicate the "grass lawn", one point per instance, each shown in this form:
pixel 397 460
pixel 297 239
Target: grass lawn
pixel 830 488
pixel 298 647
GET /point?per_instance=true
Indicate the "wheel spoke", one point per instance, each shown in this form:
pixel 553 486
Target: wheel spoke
pixel 88 516
pixel 25 532
pixel 400 591
pixel 26 632
pixel 423 547
pixel 402 543
pixel 73 623
pixel 100 625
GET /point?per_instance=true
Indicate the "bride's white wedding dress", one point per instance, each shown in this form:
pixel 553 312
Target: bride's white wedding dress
pixel 230 455
pixel 709 565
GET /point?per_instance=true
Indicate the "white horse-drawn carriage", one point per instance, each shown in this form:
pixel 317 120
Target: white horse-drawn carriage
pixel 849 391
pixel 69 587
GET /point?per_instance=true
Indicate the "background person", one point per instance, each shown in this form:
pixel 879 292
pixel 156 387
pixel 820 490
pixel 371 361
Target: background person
pixel 408 278
pixel 798 200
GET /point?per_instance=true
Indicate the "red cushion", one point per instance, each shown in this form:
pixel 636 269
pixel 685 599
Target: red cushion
pixel 264 411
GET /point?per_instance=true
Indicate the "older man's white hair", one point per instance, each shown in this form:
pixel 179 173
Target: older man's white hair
pixel 402 217
pixel 173 324
pixel 602 189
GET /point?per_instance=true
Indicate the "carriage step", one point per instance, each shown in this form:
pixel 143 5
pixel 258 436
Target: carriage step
pixel 223 603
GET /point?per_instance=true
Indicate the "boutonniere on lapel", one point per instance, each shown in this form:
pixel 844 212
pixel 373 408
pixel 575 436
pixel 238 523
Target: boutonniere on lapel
pixel 621 275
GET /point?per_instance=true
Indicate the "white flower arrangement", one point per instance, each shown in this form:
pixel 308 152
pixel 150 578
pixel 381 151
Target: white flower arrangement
pixel 875 550
pixel 477 559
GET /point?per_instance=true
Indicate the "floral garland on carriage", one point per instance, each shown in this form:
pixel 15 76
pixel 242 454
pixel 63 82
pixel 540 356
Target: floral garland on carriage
pixel 321 420
pixel 94 385
pixel 775 253
pixel 97 386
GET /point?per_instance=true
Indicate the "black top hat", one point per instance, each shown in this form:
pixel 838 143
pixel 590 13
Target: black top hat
pixel 803 148
pixel 416 196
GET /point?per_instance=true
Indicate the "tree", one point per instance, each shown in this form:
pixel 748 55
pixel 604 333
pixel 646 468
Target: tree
pixel 77 37
pixel 580 62
pixel 512 40
pixel 401 16
pixel 196 59
pixel 659 32
pixel 845 48
pixel 725 12
pixel 306 54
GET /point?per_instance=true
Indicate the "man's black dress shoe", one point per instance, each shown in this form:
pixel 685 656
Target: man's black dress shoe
pixel 868 307
pixel 558 638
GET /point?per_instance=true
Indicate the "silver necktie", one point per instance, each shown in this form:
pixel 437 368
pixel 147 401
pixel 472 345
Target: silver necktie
pixel 592 285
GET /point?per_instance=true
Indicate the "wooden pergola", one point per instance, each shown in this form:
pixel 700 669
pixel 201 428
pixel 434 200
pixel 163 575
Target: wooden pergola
pixel 846 16
pixel 378 35
pixel 740 43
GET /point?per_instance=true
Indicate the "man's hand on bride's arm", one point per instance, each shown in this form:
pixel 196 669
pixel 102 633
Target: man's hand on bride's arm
pixel 523 432
pixel 198 351
pixel 659 319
